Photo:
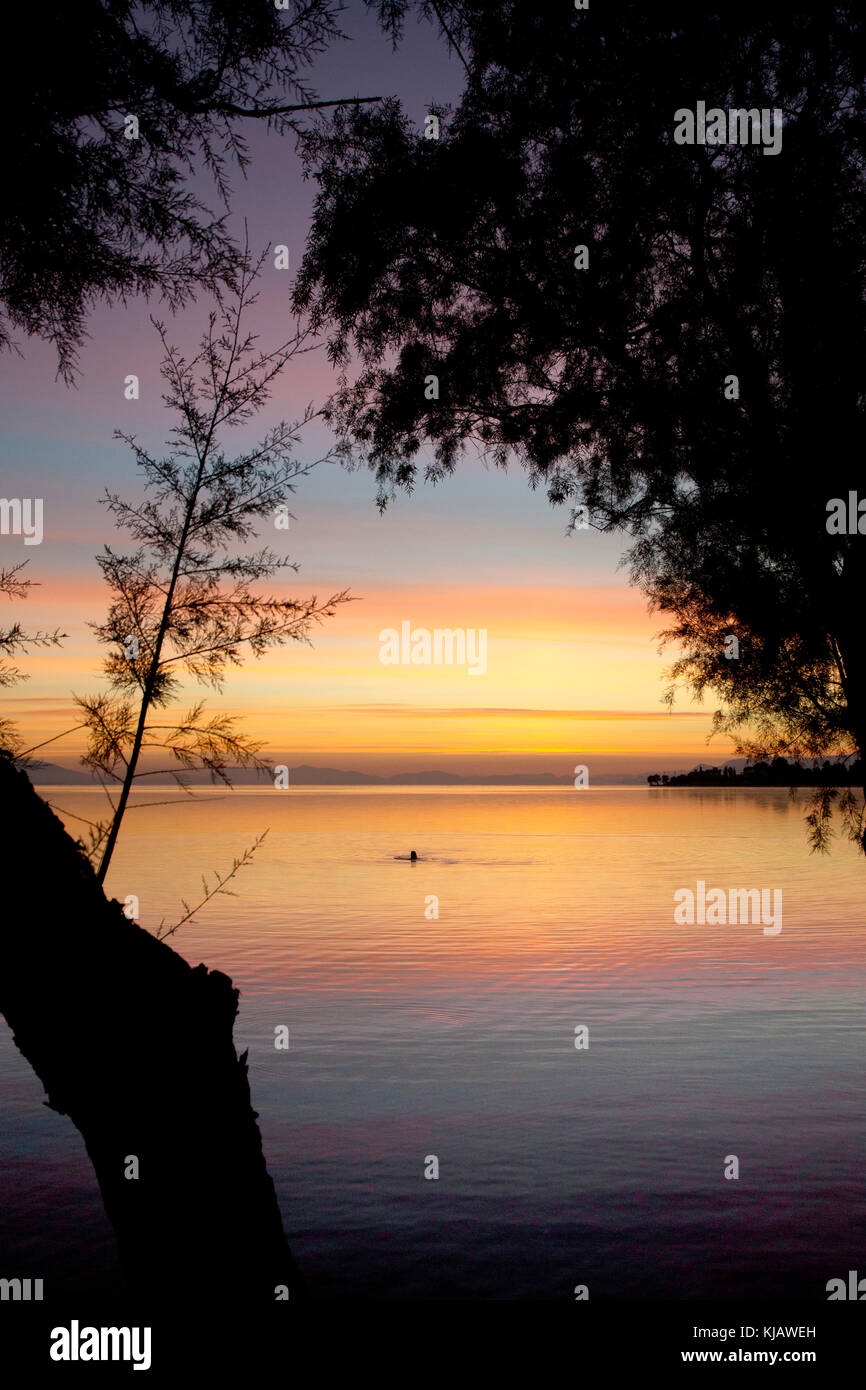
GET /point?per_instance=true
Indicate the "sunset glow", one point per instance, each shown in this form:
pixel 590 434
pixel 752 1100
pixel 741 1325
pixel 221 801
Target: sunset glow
pixel 567 675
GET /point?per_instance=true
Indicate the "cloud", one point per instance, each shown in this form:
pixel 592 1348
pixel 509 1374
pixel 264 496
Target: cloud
pixel 503 712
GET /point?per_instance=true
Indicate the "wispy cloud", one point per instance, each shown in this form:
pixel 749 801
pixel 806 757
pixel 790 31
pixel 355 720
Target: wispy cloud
pixel 397 711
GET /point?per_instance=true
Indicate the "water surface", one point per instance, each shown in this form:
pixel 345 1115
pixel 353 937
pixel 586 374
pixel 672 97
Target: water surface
pixel 414 1035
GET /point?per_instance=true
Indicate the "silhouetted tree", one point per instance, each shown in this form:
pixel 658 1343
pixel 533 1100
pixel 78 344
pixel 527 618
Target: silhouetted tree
pixel 14 641
pixel 109 110
pixel 173 1092
pixel 609 371
pixel 182 602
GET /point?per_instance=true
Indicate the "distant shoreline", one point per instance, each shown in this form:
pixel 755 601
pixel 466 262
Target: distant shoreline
pixel 778 773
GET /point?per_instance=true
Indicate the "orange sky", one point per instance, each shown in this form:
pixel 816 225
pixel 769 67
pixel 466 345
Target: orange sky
pixel 571 674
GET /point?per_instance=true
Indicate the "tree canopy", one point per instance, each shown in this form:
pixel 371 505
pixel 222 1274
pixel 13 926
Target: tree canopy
pixel 692 375
pixel 112 115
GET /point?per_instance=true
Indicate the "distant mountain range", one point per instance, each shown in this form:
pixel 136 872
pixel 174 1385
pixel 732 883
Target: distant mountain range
pixel 52 774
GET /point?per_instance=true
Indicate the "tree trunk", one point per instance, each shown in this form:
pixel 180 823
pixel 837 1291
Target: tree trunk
pixel 136 1047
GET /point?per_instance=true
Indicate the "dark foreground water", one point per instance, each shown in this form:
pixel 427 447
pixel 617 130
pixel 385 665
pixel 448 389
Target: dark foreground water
pixel 414 1036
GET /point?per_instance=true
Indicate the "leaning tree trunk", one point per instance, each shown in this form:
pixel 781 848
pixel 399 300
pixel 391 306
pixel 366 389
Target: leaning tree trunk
pixel 135 1046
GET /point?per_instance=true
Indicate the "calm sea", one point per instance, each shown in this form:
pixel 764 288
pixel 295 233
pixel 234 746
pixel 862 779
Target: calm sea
pixel 414 1035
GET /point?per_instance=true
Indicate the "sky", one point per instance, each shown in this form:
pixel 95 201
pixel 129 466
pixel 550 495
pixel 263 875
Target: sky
pixel 572 674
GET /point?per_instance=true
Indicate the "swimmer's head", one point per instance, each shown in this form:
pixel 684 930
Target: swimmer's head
pixel 413 855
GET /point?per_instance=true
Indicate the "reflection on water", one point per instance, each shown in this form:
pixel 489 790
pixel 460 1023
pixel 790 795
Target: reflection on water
pixel 432 1009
